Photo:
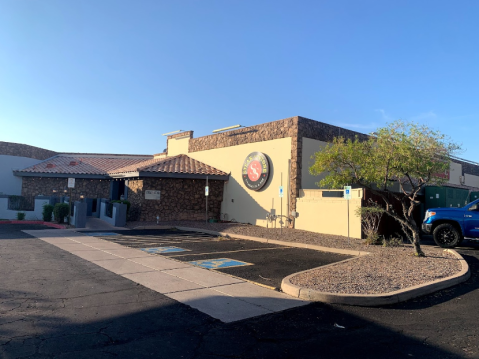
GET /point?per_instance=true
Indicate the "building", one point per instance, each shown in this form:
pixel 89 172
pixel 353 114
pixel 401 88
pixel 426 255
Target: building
pixel 246 168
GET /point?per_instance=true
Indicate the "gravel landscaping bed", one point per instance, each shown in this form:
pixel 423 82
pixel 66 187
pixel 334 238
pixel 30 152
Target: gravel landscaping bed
pixel 386 269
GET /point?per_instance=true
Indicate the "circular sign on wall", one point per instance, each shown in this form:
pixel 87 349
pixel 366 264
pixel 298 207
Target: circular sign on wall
pixel 255 171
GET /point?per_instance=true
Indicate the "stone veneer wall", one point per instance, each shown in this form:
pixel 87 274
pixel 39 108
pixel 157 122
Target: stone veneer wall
pixel 467 167
pixel 294 127
pixel 91 188
pixel 181 199
pixel 20 150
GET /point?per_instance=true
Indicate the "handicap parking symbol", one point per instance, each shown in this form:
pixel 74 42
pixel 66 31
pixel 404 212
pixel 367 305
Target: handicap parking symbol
pixel 161 250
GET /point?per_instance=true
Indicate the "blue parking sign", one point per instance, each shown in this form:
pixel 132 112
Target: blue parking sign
pixel 347 192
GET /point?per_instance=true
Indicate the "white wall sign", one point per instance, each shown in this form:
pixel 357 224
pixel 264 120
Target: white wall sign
pixel 71 183
pixel 152 194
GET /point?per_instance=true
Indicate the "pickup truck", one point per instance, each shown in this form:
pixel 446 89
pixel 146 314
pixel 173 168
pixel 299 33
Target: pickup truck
pixel 449 226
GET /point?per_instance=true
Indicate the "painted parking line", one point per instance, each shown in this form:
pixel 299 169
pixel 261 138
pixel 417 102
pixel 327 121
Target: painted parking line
pixel 160 250
pixel 220 263
pixel 98 234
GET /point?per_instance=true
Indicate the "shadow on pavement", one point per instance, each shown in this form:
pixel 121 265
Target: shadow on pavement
pixel 55 305
pixel 173 330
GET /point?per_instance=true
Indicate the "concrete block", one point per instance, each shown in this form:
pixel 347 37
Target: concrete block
pixel 204 277
pixel 122 266
pixel 72 246
pixel 159 263
pixel 128 253
pixel 260 296
pixel 219 305
pixel 94 255
pixel 161 282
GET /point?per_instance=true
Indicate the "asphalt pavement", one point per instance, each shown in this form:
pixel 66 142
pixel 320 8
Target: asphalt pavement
pixel 263 263
pixel 56 305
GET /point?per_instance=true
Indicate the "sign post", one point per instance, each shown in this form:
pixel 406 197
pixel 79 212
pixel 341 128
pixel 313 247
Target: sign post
pixel 347 197
pixel 281 194
pixel 207 192
pixel 71 184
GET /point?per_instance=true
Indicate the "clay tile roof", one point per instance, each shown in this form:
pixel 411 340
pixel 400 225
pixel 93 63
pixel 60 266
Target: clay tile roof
pixel 81 165
pixel 177 164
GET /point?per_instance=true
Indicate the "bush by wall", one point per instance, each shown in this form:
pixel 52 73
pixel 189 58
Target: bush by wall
pixel 47 212
pixel 20 216
pixel 61 211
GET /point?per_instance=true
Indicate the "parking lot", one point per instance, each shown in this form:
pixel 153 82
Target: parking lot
pixel 54 304
pixel 262 263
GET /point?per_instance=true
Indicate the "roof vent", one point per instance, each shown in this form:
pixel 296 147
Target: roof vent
pixel 50 165
pixel 73 163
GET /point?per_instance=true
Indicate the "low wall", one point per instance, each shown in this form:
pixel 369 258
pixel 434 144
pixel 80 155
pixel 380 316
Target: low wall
pixel 118 217
pixel 34 215
pixel 329 215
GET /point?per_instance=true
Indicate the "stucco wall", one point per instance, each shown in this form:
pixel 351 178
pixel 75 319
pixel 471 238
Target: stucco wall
pixel 455 171
pixel 471 180
pixel 240 203
pixel 34 215
pixel 310 147
pixel 329 215
pixel 178 144
pixel 10 184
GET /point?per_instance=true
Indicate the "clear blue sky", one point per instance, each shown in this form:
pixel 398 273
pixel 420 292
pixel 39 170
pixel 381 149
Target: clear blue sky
pixel 112 76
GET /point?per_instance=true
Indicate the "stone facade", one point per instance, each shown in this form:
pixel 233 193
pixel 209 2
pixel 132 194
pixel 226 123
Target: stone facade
pixel 295 127
pixel 20 150
pixel 90 188
pixel 181 199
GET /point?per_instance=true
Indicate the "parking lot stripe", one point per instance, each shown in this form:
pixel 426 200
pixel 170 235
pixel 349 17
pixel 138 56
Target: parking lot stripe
pixel 214 253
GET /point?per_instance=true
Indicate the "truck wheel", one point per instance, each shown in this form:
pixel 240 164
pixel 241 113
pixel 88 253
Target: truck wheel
pixel 446 236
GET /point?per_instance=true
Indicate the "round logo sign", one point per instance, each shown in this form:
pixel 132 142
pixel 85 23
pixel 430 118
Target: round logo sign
pixel 255 171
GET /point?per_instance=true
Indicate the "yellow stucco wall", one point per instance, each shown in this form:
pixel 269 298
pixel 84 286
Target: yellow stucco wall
pixel 178 146
pixel 328 215
pixel 240 203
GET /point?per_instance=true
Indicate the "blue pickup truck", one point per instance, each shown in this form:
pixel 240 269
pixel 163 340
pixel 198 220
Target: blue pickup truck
pixel 449 226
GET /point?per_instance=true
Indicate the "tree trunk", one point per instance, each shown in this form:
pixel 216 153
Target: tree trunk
pixel 417 246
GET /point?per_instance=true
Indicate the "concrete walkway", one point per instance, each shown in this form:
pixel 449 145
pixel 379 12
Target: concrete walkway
pixel 96 224
pixel 221 296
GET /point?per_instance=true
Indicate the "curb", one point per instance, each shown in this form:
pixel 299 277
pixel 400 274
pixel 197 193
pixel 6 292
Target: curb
pixel 274 241
pixel 372 300
pixel 48 224
pixel 154 227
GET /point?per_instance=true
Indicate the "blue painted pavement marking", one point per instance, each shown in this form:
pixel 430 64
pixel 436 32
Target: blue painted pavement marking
pixel 160 250
pixel 96 234
pixel 220 263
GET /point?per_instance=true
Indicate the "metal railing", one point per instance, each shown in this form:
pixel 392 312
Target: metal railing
pixel 21 203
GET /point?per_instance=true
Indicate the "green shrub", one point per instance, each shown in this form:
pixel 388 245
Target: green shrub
pixel 393 241
pixel 61 211
pixel 370 216
pixel 47 212
pixel 20 216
